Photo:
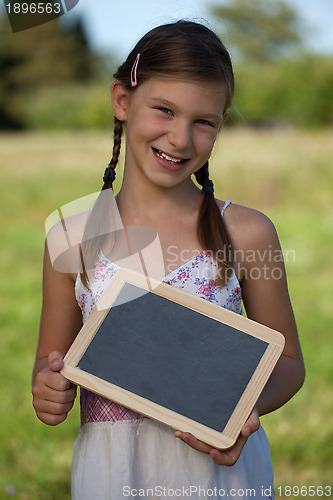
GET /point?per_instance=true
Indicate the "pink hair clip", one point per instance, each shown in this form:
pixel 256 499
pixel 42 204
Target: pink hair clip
pixel 134 81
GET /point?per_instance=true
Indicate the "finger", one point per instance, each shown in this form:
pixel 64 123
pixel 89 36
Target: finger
pixel 252 424
pixel 229 457
pixel 60 383
pixel 44 406
pixel 50 419
pixel 54 380
pixel 54 387
pixel 61 397
pixel 55 360
pixel 193 442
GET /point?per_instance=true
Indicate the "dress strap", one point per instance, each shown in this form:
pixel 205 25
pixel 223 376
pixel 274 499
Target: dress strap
pixel 226 204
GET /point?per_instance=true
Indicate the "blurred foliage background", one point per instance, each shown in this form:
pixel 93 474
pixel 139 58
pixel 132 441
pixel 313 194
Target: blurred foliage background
pixel 55 138
pixel 52 79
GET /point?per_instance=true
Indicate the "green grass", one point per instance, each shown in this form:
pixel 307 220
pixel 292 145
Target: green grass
pixel 286 174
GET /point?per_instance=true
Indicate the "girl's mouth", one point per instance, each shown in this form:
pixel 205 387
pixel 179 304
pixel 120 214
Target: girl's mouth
pixel 171 159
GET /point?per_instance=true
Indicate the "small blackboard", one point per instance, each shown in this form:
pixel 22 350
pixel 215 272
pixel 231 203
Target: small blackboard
pixel 174 357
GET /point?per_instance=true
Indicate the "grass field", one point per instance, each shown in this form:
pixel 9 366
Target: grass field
pixel 287 174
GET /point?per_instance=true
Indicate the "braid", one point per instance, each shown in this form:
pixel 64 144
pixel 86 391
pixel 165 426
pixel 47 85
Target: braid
pixel 211 230
pixel 97 227
pixel 117 134
pixel 202 175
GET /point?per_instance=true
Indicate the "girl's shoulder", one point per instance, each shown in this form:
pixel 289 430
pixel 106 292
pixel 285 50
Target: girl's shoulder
pixel 247 227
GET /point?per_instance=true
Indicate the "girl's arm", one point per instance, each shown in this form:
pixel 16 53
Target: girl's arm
pixel 53 395
pixel 266 300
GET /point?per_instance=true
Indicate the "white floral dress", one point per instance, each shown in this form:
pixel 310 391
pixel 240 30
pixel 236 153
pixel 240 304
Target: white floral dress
pixel 122 454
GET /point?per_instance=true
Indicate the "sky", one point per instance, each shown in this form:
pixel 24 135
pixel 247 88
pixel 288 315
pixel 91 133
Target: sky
pixel 116 25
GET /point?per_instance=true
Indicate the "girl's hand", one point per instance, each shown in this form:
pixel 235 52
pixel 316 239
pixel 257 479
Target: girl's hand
pixel 230 456
pixel 53 394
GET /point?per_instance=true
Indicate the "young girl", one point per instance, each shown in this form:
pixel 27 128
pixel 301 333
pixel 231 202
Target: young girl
pixel 172 94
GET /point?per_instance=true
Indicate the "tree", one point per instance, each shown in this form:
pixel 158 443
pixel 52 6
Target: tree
pixel 35 59
pixel 261 30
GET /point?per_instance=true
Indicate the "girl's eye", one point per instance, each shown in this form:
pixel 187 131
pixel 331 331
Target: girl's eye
pixel 165 110
pixel 204 122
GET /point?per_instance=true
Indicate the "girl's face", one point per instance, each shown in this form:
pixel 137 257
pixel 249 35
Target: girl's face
pixel 171 127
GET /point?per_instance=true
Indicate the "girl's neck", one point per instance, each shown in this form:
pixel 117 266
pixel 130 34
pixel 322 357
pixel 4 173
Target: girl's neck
pixel 139 205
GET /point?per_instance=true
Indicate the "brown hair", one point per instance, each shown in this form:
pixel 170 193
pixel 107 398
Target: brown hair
pixel 187 50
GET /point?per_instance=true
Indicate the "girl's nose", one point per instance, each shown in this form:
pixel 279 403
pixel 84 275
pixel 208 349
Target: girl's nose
pixel 180 136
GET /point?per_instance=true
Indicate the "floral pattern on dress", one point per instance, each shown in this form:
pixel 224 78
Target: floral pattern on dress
pixel 198 277
pixel 87 298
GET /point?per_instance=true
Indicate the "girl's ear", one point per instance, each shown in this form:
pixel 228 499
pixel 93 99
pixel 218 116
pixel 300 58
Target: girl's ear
pixel 119 97
pixel 225 116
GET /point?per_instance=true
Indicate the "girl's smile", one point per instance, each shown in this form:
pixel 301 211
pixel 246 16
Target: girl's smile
pixel 170 162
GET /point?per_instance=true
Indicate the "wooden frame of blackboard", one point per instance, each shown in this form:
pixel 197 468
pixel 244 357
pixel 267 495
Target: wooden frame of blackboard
pixel 205 311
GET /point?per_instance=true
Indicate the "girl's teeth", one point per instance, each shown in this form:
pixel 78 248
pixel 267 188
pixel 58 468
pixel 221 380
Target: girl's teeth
pixel 166 157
